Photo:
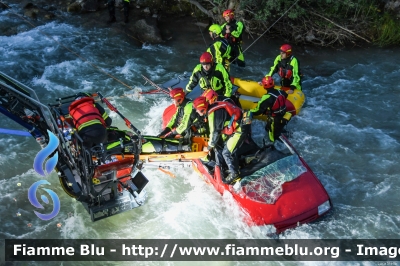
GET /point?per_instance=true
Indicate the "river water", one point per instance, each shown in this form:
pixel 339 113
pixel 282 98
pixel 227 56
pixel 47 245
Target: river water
pixel 347 131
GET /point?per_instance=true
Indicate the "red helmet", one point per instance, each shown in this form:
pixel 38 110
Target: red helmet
pixel 177 94
pixel 268 82
pixel 228 12
pixel 286 48
pixel 206 58
pixel 210 95
pixel 200 104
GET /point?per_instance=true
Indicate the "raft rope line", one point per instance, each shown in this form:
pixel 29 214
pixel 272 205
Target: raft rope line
pixel 198 25
pixel 157 89
pixel 268 28
pixel 76 54
pixel 116 79
pixel 255 39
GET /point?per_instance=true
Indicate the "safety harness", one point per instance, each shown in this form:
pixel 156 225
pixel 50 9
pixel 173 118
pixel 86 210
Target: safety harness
pixel 279 106
pixel 286 70
pixel 233 111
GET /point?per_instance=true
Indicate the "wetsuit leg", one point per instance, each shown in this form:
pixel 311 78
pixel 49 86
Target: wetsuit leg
pixel 233 54
pixel 126 11
pixel 279 124
pixel 94 134
pixel 240 59
pixel 111 11
pixel 230 150
pixel 219 159
pixel 269 127
pixel 237 53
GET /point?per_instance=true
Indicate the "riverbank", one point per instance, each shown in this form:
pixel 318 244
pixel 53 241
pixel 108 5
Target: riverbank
pixel 158 22
pixel 145 25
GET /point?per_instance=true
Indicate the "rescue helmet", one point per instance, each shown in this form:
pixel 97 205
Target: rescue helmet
pixel 210 95
pixel 228 12
pixel 215 28
pixel 286 48
pixel 206 58
pixel 200 104
pixel 177 94
pixel 268 82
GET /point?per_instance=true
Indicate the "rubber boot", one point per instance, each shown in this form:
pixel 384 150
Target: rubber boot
pixel 232 178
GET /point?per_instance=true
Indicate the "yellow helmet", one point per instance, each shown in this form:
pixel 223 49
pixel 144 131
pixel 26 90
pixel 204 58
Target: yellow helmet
pixel 215 28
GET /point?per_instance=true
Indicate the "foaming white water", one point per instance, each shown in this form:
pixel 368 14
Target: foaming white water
pixel 187 207
pixel 154 116
pixel 347 132
pixel 75 225
pixel 158 48
pixel 183 207
pixel 17 153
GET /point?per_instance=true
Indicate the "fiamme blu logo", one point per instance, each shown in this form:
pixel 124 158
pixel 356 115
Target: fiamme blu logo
pixel 49 166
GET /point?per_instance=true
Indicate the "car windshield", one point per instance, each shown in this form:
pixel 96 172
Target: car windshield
pixel 265 185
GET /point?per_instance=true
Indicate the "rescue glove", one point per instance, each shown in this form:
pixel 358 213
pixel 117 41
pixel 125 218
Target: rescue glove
pixel 165 131
pixel 172 134
pixel 210 148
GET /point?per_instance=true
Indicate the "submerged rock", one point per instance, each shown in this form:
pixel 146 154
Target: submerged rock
pixel 147 30
pixel 90 5
pixel 74 7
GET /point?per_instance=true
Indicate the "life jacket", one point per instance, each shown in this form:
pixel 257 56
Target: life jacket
pixel 233 111
pixel 84 113
pixel 279 106
pixel 286 70
pixel 181 112
pixel 233 26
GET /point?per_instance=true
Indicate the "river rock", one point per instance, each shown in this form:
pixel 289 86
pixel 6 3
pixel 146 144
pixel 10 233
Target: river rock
pixel 90 5
pixel 74 7
pixel 147 30
pixel 144 16
pixel 31 12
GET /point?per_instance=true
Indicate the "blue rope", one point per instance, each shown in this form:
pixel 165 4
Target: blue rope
pixel 15 132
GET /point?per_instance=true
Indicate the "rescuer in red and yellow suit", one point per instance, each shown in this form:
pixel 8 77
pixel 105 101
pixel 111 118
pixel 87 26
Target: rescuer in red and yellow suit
pixel 287 67
pixel 224 123
pixel 273 104
pixel 185 121
pixel 232 30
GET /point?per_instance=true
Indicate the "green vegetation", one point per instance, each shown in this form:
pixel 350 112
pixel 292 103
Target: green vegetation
pixel 320 22
pixel 386 31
